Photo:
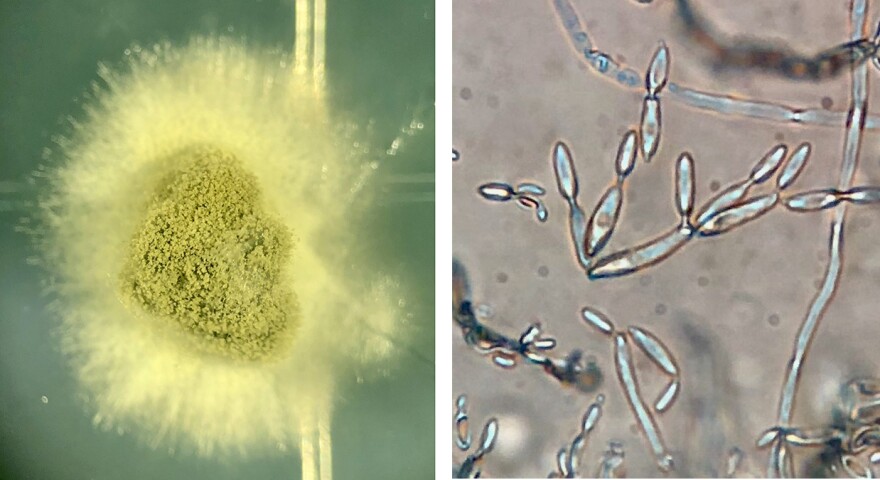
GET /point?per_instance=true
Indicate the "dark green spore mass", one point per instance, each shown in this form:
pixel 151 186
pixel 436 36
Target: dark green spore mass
pixel 209 258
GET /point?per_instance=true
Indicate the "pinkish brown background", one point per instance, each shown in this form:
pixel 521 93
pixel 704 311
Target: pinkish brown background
pixel 728 307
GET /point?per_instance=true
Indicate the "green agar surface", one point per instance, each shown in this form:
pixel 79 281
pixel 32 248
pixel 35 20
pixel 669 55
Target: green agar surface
pixel 210 258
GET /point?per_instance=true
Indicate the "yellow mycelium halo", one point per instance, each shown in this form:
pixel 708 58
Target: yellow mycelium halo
pixel 243 358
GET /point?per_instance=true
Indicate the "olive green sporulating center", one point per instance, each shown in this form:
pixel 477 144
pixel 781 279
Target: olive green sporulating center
pixel 209 258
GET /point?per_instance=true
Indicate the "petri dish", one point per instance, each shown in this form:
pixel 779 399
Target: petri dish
pixel 377 85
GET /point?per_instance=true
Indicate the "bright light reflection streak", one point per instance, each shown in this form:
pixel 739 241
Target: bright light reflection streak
pixel 318 39
pixel 302 37
pixel 325 445
pixel 310 21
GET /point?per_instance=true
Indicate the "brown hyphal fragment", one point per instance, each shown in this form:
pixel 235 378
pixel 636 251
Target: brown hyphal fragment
pixel 209 258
